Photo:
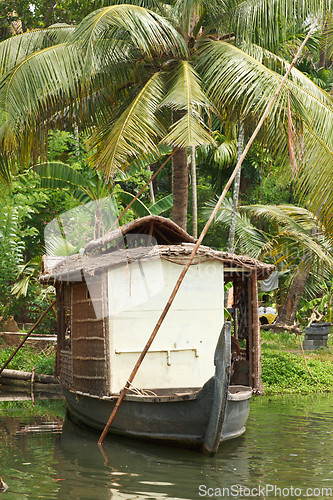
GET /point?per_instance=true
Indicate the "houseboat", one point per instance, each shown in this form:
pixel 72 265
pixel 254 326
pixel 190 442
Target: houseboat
pixel 194 385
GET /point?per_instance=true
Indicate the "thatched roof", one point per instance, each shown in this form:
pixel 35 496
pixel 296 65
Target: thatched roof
pixel 164 231
pixel 131 243
pixel 74 267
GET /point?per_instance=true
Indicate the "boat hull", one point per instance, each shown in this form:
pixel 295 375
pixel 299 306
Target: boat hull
pixel 179 420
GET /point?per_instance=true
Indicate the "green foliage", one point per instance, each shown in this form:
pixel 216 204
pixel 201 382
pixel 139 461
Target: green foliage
pixel 28 358
pixel 286 373
pixel 11 254
pixel 27 272
pixel 134 183
pixel 24 212
pixel 270 184
pixel 40 407
pixel 40 14
pixel 63 146
pixel 318 309
pixel 217 163
pixel 37 207
pixel 284 370
pixel 320 76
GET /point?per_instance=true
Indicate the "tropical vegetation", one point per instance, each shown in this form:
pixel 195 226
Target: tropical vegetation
pixel 91 105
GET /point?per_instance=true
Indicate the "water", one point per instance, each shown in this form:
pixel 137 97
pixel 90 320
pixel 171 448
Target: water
pixel 288 445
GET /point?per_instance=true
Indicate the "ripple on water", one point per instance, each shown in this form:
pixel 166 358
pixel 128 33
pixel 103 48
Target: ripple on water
pixel 288 442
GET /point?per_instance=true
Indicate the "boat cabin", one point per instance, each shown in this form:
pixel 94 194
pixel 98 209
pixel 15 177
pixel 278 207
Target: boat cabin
pixel 110 297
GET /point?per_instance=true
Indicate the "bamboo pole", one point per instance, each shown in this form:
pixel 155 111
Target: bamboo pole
pixel 27 336
pixel 144 187
pixel 256 341
pixel 198 243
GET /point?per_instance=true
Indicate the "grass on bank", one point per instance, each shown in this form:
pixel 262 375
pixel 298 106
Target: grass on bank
pixel 28 358
pixel 284 370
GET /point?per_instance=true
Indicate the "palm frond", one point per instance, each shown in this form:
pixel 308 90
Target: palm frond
pixel 17 48
pixel 149 32
pixel 147 159
pixel 315 178
pixel 154 5
pixel 141 209
pixel 138 207
pixel 186 96
pixel 61 247
pixel 288 217
pixel 162 205
pixel 183 11
pixel 290 246
pixel 27 272
pixel 250 239
pixel 34 90
pixel 135 132
pixel 58 175
pixel 298 233
pixel 226 153
pixel 188 131
pixel 247 86
pixel 280 65
pixel 269 22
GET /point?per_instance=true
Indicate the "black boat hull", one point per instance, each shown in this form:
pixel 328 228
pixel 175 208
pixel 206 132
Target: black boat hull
pixel 180 421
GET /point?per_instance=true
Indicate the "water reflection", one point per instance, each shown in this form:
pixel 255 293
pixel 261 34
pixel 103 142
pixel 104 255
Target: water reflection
pixel 288 442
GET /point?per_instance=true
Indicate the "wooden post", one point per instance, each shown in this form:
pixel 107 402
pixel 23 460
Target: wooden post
pixel 249 323
pixel 198 243
pixel 32 385
pixel 256 342
pixel 60 327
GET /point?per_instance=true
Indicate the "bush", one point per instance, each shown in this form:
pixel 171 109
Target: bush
pixel 286 373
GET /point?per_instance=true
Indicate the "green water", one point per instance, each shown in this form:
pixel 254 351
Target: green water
pixel 288 446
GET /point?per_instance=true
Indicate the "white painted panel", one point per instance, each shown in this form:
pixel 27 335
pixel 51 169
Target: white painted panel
pixel 134 284
pixel 191 327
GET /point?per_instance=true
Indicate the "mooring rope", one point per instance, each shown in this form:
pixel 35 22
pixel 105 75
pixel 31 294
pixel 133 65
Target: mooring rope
pixel 305 360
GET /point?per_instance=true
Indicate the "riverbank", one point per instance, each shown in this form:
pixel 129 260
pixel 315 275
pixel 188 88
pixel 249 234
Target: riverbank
pixel 30 357
pixel 283 368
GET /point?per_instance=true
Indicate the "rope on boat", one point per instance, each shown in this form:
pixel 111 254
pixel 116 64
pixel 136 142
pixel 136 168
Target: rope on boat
pixel 140 392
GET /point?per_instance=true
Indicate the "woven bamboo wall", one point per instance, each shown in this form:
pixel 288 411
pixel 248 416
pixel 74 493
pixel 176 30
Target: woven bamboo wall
pixel 66 370
pixel 88 340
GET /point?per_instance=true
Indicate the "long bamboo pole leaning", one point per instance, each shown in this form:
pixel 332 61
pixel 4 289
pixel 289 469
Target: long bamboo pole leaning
pixel 198 243
pixel 144 187
pixel 27 336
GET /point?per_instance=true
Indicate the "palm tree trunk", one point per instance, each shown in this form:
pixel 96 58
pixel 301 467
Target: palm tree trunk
pixel 287 314
pixel 232 229
pixel 180 187
pixel 194 194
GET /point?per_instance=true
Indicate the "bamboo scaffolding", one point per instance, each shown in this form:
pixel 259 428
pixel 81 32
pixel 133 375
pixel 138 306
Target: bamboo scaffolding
pixel 195 249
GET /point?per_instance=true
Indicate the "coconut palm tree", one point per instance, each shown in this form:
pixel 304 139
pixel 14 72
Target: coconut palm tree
pixel 134 78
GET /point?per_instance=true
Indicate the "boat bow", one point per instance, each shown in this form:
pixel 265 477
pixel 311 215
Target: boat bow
pixel 222 362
